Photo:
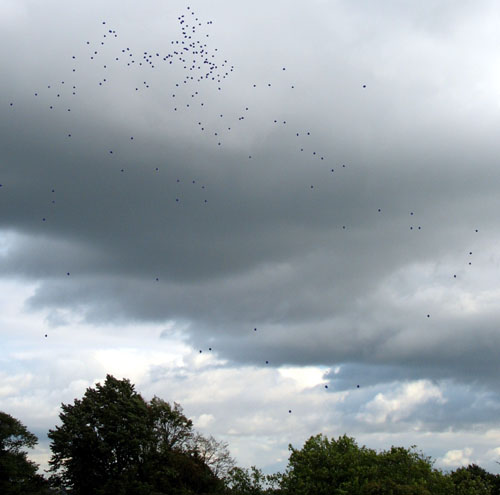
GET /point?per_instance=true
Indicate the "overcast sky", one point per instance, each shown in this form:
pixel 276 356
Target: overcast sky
pixel 308 189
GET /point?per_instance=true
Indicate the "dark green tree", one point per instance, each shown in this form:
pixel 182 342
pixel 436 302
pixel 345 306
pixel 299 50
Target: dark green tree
pixel 179 461
pixel 172 430
pixel 102 438
pixel 474 480
pixel 114 442
pixel 402 471
pixel 18 475
pixel 492 479
pixel 242 481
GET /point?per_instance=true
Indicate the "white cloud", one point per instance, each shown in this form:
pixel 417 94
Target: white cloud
pixel 398 405
pixel 304 377
pixel 457 458
pixel 204 420
pixel 495 453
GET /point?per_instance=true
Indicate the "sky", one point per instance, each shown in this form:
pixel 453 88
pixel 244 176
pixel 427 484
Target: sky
pixel 281 215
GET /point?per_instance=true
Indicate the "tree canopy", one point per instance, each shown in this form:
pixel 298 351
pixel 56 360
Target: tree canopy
pixel 113 441
pixel 340 467
pixel 18 475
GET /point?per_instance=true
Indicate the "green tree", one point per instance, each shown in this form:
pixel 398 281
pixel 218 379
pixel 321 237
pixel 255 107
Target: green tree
pixel 102 438
pixel 341 467
pixel 114 442
pixel 18 475
pixel 172 430
pixel 327 467
pixel 242 481
pixel 401 471
pixel 473 480
pixel 492 479
pixel 179 460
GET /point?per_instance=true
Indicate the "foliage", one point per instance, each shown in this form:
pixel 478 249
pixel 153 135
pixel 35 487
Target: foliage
pixel 102 437
pixel 406 471
pixel 474 480
pixel 18 475
pixel 172 430
pixel 245 481
pixel 114 442
pixel 324 467
pixel 214 454
pixel 341 467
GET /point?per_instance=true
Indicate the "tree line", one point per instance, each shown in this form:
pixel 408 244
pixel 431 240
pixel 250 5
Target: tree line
pixel 113 442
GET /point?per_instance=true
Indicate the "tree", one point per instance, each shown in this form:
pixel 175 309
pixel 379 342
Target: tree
pixel 17 473
pixel 407 472
pixel 172 430
pixel 473 480
pixel 325 467
pixel 114 442
pixel 341 467
pixel 102 437
pixel 245 481
pixel 214 454
pixel 176 461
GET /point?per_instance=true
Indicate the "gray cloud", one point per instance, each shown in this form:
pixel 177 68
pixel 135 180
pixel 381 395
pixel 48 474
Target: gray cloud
pixel 332 268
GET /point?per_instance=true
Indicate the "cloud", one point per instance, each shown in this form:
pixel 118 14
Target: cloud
pixel 457 458
pixel 382 273
pixel 400 404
